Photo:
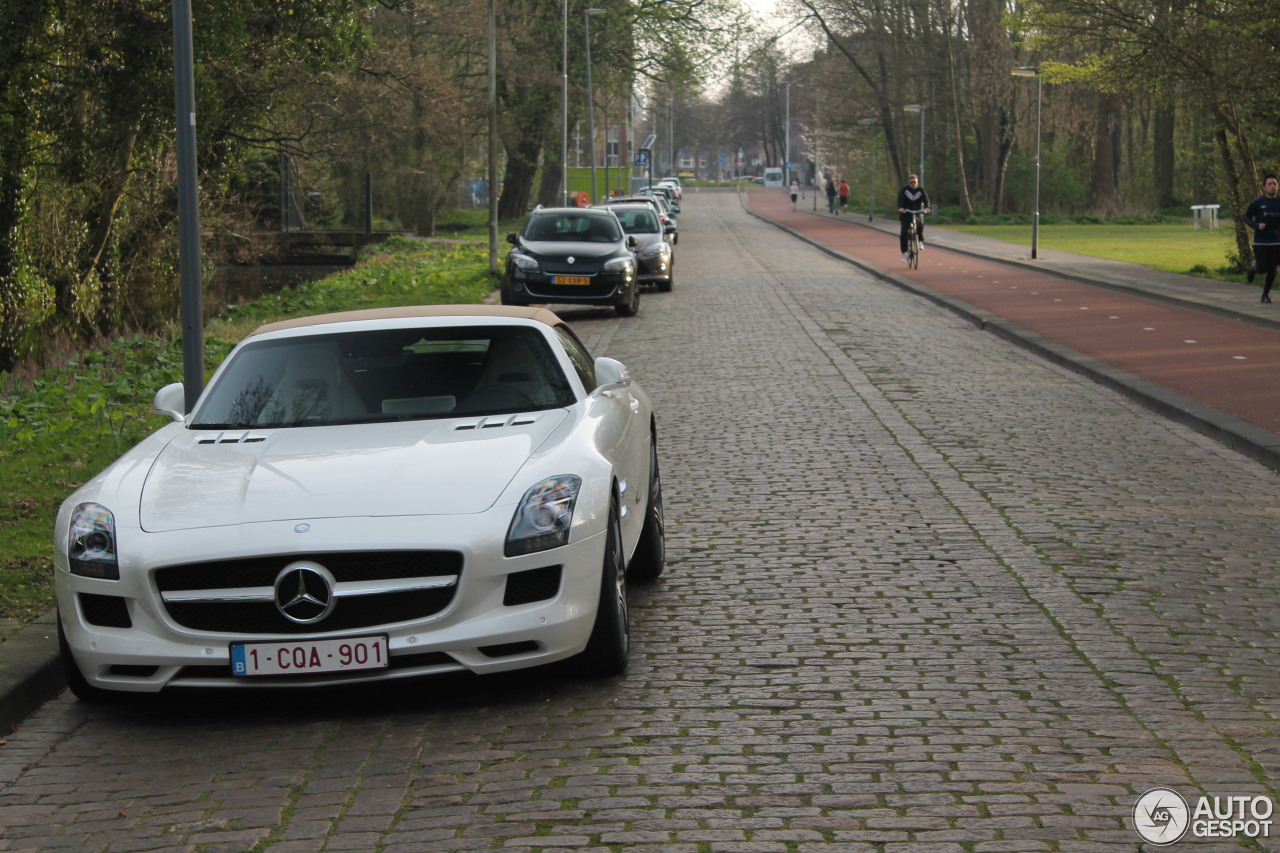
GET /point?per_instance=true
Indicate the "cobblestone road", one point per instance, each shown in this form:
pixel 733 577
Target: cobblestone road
pixel 926 593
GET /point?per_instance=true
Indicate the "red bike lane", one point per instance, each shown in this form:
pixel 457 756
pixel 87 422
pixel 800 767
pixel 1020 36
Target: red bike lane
pixel 1224 363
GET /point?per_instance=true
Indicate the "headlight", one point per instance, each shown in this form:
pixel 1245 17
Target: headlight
pixel 543 517
pixel 91 543
pixel 524 262
pixel 618 265
pixel 653 250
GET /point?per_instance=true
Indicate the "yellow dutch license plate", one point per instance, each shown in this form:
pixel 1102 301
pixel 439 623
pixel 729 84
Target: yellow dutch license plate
pixel 571 279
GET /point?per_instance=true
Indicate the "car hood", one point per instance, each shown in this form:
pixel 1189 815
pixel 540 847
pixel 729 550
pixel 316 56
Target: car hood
pixel 557 249
pixel 205 478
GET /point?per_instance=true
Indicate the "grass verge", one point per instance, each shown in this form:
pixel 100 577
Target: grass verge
pixel 62 427
pixel 1170 247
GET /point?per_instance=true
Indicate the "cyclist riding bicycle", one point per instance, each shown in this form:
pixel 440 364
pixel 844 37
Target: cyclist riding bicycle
pixel 912 199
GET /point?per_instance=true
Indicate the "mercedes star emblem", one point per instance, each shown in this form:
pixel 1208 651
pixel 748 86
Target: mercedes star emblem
pixel 304 593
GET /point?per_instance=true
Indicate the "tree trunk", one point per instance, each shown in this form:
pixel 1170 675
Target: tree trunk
pixel 517 178
pixel 1105 185
pixel 1244 252
pixel 1163 155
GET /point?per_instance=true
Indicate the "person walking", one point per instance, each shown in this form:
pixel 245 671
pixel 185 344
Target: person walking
pixel 1263 216
pixel 912 199
pixel 844 196
pixel 795 192
pixel 831 195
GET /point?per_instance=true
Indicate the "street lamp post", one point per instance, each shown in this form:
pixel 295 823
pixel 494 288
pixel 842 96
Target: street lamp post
pixel 591 105
pixel 1034 71
pixel 787 140
pixel 871 198
pixel 564 107
pixel 190 288
pixel 919 108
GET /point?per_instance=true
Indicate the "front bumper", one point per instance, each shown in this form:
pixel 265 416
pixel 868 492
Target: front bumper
pixel 653 270
pixel 537 287
pixel 125 636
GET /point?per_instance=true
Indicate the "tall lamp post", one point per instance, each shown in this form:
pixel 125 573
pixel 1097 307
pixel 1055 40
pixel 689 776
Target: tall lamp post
pixel 591 104
pixel 919 108
pixel 184 98
pixel 1034 71
pixel 871 199
pixel 787 140
pixel 564 107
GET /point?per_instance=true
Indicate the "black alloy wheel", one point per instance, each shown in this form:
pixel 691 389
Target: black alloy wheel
pixel 651 551
pixel 610 642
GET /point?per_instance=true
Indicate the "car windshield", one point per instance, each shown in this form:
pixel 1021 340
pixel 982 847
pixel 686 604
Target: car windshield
pixel 572 227
pixel 638 221
pixel 385 375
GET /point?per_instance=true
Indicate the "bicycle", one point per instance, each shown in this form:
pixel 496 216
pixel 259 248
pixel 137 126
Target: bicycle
pixel 913 238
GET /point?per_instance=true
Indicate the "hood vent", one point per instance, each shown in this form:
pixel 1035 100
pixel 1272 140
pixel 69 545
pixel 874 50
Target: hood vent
pixel 232 438
pixel 499 421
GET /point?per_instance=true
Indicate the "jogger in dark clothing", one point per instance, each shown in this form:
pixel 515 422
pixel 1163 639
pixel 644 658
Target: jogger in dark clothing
pixel 1263 216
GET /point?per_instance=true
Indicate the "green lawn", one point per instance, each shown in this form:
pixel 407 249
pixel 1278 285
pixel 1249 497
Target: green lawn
pixel 60 428
pixel 1170 247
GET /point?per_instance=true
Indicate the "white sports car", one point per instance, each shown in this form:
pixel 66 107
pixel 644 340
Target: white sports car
pixel 367 496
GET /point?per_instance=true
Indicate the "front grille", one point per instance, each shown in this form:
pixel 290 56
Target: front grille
pixel 532 585
pixel 345 566
pixel 105 611
pixel 349 613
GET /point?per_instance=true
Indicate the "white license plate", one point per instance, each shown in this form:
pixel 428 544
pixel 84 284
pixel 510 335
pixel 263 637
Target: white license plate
pixel 309 656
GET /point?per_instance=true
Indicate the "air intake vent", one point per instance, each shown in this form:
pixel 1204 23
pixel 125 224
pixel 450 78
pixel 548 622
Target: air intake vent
pixel 106 611
pixel 532 585
pixel 232 438
pixel 499 421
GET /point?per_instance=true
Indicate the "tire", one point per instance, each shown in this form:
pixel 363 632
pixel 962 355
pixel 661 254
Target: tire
pixel 507 296
pixel 632 305
pixel 80 687
pixel 651 551
pixel 610 641
pixel 665 286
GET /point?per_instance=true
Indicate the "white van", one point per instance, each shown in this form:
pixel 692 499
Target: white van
pixel 773 176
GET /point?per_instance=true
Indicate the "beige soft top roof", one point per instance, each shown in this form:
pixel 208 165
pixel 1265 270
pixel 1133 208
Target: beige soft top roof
pixel 542 315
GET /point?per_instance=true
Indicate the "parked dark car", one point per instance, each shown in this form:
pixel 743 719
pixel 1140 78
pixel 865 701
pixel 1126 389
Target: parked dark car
pixel 654 255
pixel 572 255
pixel 658 203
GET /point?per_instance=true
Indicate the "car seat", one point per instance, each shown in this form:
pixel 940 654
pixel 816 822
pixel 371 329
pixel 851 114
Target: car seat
pixel 314 387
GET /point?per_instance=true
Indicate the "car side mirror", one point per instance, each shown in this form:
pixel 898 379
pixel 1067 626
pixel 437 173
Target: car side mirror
pixel 611 374
pixel 632 242
pixel 512 239
pixel 669 229
pixel 171 400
